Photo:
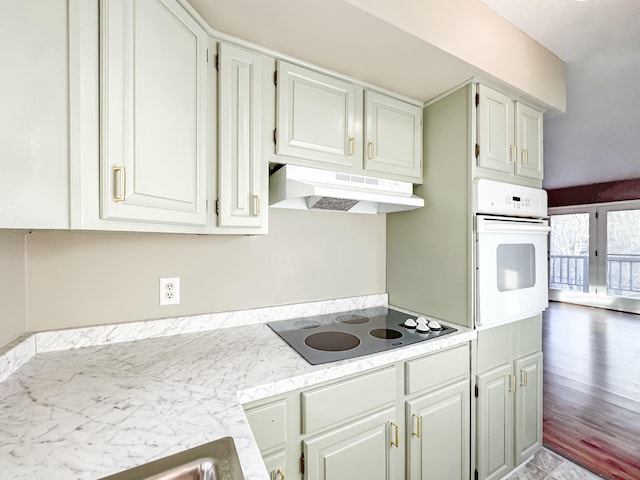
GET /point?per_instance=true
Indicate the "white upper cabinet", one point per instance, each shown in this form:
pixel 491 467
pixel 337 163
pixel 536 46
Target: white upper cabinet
pixel 529 142
pixel 509 140
pixel 34 112
pixel 332 123
pixel 495 130
pixel 319 117
pixel 245 116
pixel 153 113
pixel 393 136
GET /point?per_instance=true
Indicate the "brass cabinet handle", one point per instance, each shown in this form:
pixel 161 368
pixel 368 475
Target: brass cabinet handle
pixel 118 183
pixel 370 150
pixel 256 205
pixel 523 378
pixel 395 442
pixel 275 474
pixel 418 433
pixel 513 153
pixel 522 156
pixel 512 383
pixel 352 146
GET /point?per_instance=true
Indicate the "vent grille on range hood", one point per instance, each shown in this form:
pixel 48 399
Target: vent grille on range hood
pixel 306 188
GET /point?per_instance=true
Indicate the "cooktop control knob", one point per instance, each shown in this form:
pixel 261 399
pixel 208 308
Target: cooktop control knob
pixel 434 325
pixel 422 328
pixel 421 320
pixel 410 323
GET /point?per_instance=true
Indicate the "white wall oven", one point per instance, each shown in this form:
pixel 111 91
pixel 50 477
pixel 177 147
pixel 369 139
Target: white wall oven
pixel 511 252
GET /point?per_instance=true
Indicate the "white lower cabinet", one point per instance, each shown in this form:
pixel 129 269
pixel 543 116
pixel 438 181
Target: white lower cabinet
pixel 409 420
pixel 528 406
pixel 367 448
pixel 439 429
pixel 276 464
pixel 437 419
pixel 268 421
pixel 508 397
pixel 494 423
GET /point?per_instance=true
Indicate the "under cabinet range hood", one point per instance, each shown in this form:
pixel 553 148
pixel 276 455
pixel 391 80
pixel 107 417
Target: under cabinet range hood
pixel 306 188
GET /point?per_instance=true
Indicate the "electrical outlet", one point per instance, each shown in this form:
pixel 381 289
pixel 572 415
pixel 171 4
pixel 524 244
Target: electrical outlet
pixel 170 291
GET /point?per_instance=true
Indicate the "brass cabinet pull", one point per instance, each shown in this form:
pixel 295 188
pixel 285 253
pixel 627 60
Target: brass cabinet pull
pixel 395 442
pixel 118 183
pixel 256 205
pixel 352 146
pixel 275 474
pixel 418 433
pixel 512 383
pixel 522 156
pixel 370 150
pixel 523 378
pixel 513 153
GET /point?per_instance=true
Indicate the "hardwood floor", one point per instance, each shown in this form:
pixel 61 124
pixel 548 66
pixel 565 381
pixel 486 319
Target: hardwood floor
pixel 592 388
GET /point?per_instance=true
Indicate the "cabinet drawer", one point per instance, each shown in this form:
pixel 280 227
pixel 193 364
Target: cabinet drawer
pixel 344 400
pixel 268 424
pixel 437 369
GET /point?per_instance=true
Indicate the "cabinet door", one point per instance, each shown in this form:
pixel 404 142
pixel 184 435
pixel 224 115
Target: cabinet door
pixel 362 449
pixel 438 434
pixel 393 136
pixel 319 118
pixel 495 130
pixel 529 141
pixel 153 111
pixel 242 167
pixel 276 466
pixel 528 408
pixel 494 442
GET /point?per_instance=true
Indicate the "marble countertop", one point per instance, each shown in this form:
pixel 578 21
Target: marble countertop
pixel 89 412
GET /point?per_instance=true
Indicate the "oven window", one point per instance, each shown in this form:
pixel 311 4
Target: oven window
pixel 516 263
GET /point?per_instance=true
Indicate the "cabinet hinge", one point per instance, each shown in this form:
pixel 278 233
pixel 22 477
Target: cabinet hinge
pixel 475 475
pixel 477 150
pixel 275 78
pixel 477 99
pixel 476 391
pixel 302 463
pixel 275 136
pixel 217 62
pixel 217 206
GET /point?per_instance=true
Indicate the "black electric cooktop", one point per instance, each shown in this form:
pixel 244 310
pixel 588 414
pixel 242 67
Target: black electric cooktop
pixel 338 336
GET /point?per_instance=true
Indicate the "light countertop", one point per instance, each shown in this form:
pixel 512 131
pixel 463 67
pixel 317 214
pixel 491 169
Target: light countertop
pixel 89 412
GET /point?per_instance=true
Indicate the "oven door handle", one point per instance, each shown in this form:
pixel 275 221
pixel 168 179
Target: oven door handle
pixel 493 226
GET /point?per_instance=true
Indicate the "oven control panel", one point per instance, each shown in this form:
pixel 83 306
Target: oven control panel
pixel 500 198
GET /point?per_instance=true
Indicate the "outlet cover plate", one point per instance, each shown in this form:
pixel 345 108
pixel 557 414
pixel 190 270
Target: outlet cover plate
pixel 170 291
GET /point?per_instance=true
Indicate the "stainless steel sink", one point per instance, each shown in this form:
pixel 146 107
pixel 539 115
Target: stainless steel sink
pixel 217 460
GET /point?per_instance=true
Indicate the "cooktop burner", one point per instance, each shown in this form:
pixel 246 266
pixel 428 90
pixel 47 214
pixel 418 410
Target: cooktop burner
pixel 338 336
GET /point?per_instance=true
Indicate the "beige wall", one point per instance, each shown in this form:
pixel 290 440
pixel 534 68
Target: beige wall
pixel 471 31
pixel 12 287
pixel 91 278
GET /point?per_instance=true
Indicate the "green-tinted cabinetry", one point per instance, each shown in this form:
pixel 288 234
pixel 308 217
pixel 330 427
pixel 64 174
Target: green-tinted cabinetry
pixel 411 418
pixel 329 122
pixel 509 397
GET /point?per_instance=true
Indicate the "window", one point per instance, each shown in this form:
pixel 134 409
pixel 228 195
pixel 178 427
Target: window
pixel 594 255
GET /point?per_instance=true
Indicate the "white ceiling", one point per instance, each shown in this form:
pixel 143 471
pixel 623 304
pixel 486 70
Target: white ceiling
pixel 597 139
